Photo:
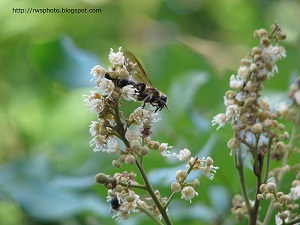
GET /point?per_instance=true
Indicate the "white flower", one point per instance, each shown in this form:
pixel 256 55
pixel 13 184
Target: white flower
pixel 151 118
pixel 187 193
pixel 209 171
pixel 128 91
pixel 131 135
pixel 243 72
pixel 241 96
pixel 235 82
pixel 97 105
pixel 295 192
pixel 98 72
pixel 95 128
pixel 139 115
pixel 99 141
pixel 232 112
pixel 183 155
pixel 219 119
pixel 117 59
pixel 163 149
pixel 112 146
pixel 94 101
pixel 106 87
pixel 274 52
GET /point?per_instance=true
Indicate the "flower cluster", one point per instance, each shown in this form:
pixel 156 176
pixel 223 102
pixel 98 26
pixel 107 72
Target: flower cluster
pixel 254 124
pixel 283 203
pixel 194 164
pixel 129 138
pixel 239 208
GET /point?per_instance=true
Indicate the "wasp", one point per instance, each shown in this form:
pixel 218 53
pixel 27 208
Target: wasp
pixel 146 91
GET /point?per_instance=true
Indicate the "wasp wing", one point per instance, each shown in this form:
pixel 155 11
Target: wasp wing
pixel 139 73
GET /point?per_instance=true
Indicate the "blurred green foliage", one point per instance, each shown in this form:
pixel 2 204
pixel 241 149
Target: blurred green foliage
pixel 189 49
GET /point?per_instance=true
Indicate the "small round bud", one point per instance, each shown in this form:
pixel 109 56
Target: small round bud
pixel 295 183
pixel 279 194
pixel 265 42
pixel 256 128
pixel 130 159
pixel 253 67
pixel 262 33
pixel 271 187
pixel 281 127
pixel 269 196
pixel 116 163
pixel 284 199
pixel 233 144
pixel 282 36
pixel 135 145
pixel 122 158
pixel 175 187
pixel 102 178
pixel 119 188
pixel 229 94
pixel 262 188
pixel 277 206
pixel 144 150
pixel 260 197
pixel 130 198
pixel 283 215
pixel 209 161
pixel 256 34
pixel 196 183
pixel 181 175
pixel 286 135
pixel 256 50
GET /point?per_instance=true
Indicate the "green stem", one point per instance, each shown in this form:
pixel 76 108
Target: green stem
pixel 239 166
pixel 169 200
pixel 151 192
pixel 148 213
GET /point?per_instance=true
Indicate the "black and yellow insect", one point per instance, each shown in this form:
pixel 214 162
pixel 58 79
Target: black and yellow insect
pixel 146 92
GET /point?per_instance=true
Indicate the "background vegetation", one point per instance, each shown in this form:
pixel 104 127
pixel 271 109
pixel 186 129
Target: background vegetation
pixel 189 49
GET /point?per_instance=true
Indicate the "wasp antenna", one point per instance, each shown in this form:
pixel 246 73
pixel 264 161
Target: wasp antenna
pixel 167 107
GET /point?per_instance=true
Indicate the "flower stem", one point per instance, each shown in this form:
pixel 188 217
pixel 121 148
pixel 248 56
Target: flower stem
pixel 151 192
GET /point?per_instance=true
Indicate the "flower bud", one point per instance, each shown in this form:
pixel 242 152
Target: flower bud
pixel 130 198
pixel 135 145
pixel 144 150
pixel 233 144
pixel 262 188
pixel 265 42
pixel 277 206
pixel 175 187
pixel 209 161
pixel 122 158
pixel 102 178
pixel 196 183
pixel 256 128
pixel 181 175
pixel 283 215
pixel 260 197
pixel 271 187
pixel 269 196
pixel 130 159
pixel 116 163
